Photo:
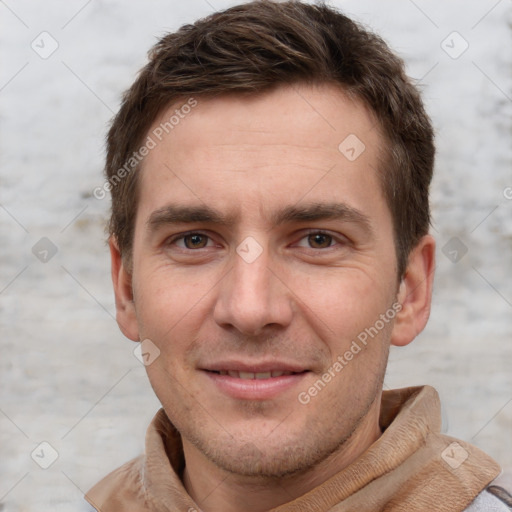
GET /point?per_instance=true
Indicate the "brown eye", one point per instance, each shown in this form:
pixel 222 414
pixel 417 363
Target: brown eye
pixel 319 241
pixel 195 241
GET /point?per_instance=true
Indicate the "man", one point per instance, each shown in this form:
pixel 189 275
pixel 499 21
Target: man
pixel 269 172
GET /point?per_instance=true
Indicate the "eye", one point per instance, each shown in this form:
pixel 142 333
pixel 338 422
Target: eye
pixel 192 241
pixel 317 240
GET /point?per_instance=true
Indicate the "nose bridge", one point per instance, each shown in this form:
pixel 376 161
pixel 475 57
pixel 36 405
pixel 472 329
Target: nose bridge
pixel 251 277
pixel 249 297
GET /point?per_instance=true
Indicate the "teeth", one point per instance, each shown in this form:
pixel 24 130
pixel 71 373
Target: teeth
pixel 251 375
pixel 262 375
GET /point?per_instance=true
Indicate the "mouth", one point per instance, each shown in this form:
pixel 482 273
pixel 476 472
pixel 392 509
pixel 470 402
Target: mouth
pixel 255 382
pixel 272 374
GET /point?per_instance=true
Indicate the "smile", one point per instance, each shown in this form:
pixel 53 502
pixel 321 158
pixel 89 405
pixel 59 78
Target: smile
pixel 251 375
pixel 260 385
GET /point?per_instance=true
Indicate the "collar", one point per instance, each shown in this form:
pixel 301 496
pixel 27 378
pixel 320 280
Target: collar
pixel 412 467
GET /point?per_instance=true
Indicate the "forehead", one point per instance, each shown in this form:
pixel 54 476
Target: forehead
pixel 326 113
pixel 255 151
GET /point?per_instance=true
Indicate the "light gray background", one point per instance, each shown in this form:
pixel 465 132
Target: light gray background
pixel 68 377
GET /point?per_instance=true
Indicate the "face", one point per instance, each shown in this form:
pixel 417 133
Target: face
pixel 262 254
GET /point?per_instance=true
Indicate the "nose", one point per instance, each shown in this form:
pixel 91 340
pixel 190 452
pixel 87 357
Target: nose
pixel 252 297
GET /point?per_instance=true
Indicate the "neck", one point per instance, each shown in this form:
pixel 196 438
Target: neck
pixel 216 490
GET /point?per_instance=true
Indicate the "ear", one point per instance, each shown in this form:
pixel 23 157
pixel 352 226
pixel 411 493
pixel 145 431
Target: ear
pixel 122 280
pixel 415 293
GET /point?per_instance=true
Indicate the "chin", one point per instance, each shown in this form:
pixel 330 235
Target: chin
pixel 249 461
pixel 269 456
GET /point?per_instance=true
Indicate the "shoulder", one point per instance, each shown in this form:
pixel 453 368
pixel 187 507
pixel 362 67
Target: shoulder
pixel 121 490
pixel 496 497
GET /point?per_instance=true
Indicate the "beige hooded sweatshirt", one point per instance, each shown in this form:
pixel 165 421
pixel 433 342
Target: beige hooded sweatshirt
pixel 412 467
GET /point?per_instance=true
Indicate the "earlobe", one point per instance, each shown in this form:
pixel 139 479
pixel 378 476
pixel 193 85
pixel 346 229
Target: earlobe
pixel 415 293
pixel 122 281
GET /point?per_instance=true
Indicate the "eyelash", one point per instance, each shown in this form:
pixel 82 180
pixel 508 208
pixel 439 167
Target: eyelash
pixel 334 239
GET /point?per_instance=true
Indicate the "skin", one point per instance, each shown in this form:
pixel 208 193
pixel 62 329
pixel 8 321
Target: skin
pixel 316 285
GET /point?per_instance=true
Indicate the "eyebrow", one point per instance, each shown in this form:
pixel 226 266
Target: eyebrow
pixel 175 214
pixel 322 211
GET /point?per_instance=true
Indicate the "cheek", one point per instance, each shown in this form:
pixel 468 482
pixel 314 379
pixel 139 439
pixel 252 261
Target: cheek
pixel 161 303
pixel 344 301
pixel 172 307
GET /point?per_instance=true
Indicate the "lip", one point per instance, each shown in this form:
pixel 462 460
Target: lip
pixel 254 367
pixel 257 388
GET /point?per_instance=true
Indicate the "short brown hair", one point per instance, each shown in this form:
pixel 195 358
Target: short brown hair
pixel 256 46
